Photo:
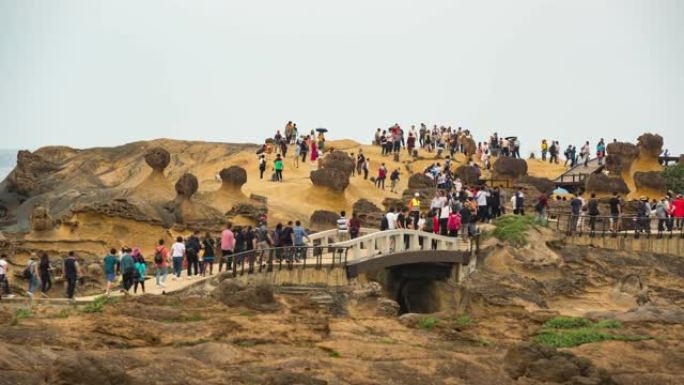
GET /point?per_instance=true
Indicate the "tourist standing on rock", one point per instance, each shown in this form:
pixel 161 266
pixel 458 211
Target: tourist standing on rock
pixel 601 151
pixel 314 151
pixel 593 211
pixel 4 277
pixel 192 249
pixel 382 174
pixel 139 273
pixel 541 208
pixel 544 149
pixel 177 254
pixel 262 166
pixel 615 212
pixel 45 274
pixel 227 247
pixel 71 271
pixel 394 179
pixel 278 167
pixel 482 208
pixel 519 202
pixel 304 149
pixel 111 265
pixel 161 263
pixel 127 270
pixel 208 254
pixel 360 162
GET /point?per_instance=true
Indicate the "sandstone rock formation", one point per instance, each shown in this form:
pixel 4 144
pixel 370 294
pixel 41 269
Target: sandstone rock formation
pixel 233 177
pixel 41 219
pixel 253 212
pixel 186 186
pixel 625 160
pixel 157 158
pixel 650 145
pixel 334 179
pixel 338 160
pixel 29 172
pixel 542 185
pixel 368 213
pixel 509 168
pixel 469 146
pixel 650 180
pixel 468 174
pixel 603 184
pixel 420 181
pixel 620 156
pixel 323 220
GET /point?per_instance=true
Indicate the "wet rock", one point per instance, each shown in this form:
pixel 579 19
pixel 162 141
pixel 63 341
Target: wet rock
pixel 338 160
pixel 620 156
pixel 41 219
pixel 420 181
pixel 542 363
pixel 233 176
pixel 323 219
pixel 650 145
pixel 543 185
pixel 257 297
pixel 468 174
pixel 510 168
pixel 332 178
pixel 602 183
pixel 652 180
pixel 29 173
pixel 187 185
pixel 386 307
pixel 157 158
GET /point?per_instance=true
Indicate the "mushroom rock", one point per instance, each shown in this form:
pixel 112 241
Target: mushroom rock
pixel 651 180
pixel 650 145
pixel 30 171
pixel 510 168
pixel 543 185
pixel 233 177
pixel 332 178
pixel 253 212
pixel 338 160
pixel 186 186
pixel 603 184
pixel 468 174
pixel 323 219
pixel 620 156
pixel 368 213
pixel 41 219
pixel 157 158
pixel 419 181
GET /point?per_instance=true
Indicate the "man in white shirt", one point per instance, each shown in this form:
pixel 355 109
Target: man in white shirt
pixel 343 226
pixel 177 254
pixel 391 219
pixel 482 211
pixel 4 277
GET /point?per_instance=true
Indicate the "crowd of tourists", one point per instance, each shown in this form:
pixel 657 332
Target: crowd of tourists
pixel 39 273
pixel 572 156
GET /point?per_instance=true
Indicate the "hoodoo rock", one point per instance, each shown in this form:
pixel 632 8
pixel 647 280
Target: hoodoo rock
pixel 650 145
pixel 187 185
pixel 338 160
pixel 368 213
pixel 419 181
pixel 652 180
pixel 603 184
pixel 620 156
pixel 157 158
pixel 332 178
pixel 509 168
pixel 468 174
pixel 30 171
pixel 41 219
pixel 233 177
pixel 323 219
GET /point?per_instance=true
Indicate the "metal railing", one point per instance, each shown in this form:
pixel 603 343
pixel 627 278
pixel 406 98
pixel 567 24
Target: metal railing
pixel 617 226
pixel 572 178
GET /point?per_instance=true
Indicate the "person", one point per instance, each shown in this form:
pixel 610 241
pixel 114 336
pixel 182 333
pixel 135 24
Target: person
pixel 678 211
pixel 382 174
pixel 643 212
pixel 314 151
pixel 661 212
pixel 4 277
pixel 45 271
pixel 285 241
pixel 262 166
pixel 575 209
pixel 354 226
pixel 454 223
pixel 140 270
pixel 304 149
pixel 391 219
pixel 342 226
pixel 177 254
pixel 519 197
pixel 593 211
pixel 227 247
pixel 71 271
pixel 495 205
pixel 111 265
pixel 600 151
pixel 161 263
pixel 544 149
pixel 127 266
pixel 33 274
pixel 482 207
pixel 394 179
pixel 444 213
pixel 585 153
pixel 192 250
pixel 414 207
pixel 360 162
pixel 263 241
pixel 366 167
pixel 541 207
pixel 278 167
pixel 208 254
pixel 298 236
pixel 615 212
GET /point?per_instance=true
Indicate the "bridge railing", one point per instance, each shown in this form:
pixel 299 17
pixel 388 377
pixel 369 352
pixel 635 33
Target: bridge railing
pixel 278 258
pixel 329 237
pixel 627 225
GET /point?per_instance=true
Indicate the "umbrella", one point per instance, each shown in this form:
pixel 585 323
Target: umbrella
pixel 511 137
pixel 321 129
pixel 560 191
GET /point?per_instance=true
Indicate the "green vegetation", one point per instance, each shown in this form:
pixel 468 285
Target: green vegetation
pixel 674 178
pixel 334 354
pixel 19 315
pixel 566 332
pixel 513 228
pixel 428 323
pixel 64 313
pixel 463 320
pixel 99 303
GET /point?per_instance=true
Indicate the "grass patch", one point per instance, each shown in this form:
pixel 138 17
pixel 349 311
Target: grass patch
pixel 464 320
pixel 98 304
pixel 19 315
pixel 567 332
pixel 608 324
pixel 567 323
pixel 428 323
pixel 334 354
pixel 513 228
pixel 64 313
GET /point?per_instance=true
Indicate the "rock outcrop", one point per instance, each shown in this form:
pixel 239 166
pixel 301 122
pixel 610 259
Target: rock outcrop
pixel 368 213
pixel 323 220
pixel 332 178
pixel 620 156
pixel 232 179
pixel 253 212
pixel 651 180
pixel 603 184
pixel 420 181
pixel 543 185
pixel 157 158
pixel 650 145
pixel 468 174
pixel 41 219
pixel 338 160
pixel 29 172
pixel 509 168
pixel 186 186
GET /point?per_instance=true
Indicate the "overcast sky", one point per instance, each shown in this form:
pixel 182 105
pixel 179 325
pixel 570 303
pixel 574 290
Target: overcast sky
pixel 101 73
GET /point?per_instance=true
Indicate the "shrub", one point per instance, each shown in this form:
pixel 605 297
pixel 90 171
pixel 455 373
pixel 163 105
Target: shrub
pixel 674 178
pixel 19 315
pixel 567 323
pixel 576 337
pixel 513 228
pixel 428 323
pixel 463 320
pixel 99 303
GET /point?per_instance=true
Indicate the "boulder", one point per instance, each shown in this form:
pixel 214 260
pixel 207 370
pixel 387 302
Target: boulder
pixel 157 158
pixel 257 297
pixel 620 156
pixel 332 178
pixel 468 174
pixel 386 307
pixel 233 177
pixel 247 210
pixel 369 214
pixel 371 289
pixel 41 219
pixel 187 185
pixel 419 181
pixel 540 363
pixel 30 171
pixel 388 203
pixel 509 168
pixel 602 183
pixel 650 145
pixel 652 180
pixel 323 219
pixel 338 160
pixel 543 185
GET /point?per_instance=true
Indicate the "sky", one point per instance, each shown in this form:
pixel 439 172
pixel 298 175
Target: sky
pixel 89 73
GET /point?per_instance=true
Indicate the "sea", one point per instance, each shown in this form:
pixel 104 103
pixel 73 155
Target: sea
pixel 8 159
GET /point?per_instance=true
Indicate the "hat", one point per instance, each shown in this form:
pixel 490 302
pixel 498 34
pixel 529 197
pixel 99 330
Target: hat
pixel 416 195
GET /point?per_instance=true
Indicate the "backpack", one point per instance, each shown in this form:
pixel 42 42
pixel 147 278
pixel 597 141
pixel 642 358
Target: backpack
pixel 454 223
pixel 27 271
pixel 158 257
pixel 384 223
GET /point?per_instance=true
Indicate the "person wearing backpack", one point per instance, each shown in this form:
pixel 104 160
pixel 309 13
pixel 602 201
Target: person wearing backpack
pixel 111 265
pixel 71 271
pixel 139 276
pixel 192 250
pixel 263 242
pixel 278 168
pixel 208 254
pixel 31 273
pixel 354 226
pixel 454 224
pixel 262 166
pixel 161 263
pixel 127 266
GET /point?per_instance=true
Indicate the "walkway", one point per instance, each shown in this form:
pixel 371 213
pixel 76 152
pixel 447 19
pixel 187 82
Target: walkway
pixel 577 175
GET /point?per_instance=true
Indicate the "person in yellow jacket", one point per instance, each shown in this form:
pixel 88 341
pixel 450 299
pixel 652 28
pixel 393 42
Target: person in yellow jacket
pixel 414 208
pixel 544 149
